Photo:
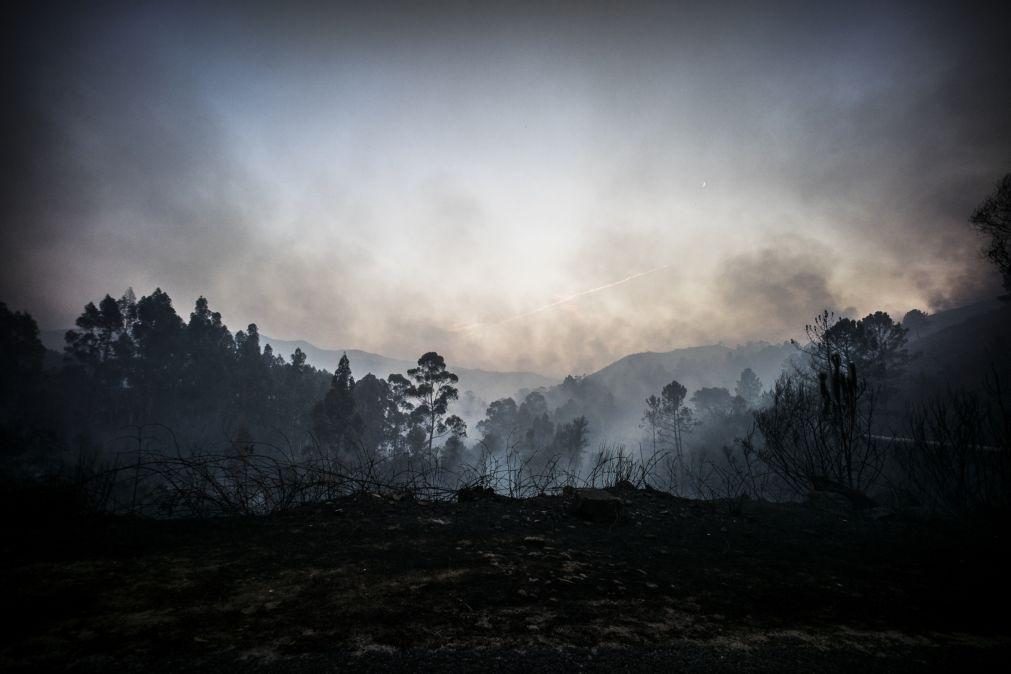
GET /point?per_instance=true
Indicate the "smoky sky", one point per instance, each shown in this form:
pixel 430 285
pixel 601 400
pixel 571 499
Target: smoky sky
pixel 532 187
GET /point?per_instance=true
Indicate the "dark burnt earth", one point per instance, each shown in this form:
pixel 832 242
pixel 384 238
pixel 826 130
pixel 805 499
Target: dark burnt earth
pixel 372 583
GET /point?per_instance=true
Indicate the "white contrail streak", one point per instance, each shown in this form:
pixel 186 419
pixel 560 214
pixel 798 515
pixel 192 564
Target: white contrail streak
pixel 563 300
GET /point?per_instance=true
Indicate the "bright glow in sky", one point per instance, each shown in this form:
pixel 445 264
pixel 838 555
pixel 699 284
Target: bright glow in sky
pixel 379 179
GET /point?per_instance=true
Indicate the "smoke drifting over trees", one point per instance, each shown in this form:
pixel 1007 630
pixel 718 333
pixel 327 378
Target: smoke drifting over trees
pixel 682 331
pixel 189 386
pixel 275 158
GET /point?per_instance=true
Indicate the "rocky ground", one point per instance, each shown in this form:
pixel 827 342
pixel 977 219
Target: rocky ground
pixel 375 583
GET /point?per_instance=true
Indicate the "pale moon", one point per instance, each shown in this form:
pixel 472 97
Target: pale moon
pixel 704 183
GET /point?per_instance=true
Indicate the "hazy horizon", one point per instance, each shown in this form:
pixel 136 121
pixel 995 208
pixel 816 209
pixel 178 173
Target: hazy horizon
pixel 518 189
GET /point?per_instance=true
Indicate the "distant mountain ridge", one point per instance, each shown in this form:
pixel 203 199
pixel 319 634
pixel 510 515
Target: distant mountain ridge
pixel 960 349
pixel 942 348
pixel 632 379
pixel 639 375
pixel 485 384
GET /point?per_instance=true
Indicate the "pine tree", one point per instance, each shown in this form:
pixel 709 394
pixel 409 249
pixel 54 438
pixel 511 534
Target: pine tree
pixel 335 418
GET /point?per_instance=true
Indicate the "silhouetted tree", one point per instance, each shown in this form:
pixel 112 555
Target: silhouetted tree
pixel 22 408
pixel 713 403
pixel 668 418
pixel 252 381
pixel 210 357
pixel 500 427
pixel 128 308
pixel 269 359
pixel 882 353
pixel 298 360
pixel 534 405
pixel 433 386
pixel 749 388
pixel 993 218
pixel 453 453
pixel 21 351
pixel 335 418
pixel 298 386
pixel 101 345
pixel 206 333
pixel 158 329
pixel 820 435
pixel 538 440
pixel 158 333
pixel 121 370
pixel 875 344
pixel 572 438
pixel 399 418
pixel 98 331
pixel 416 439
pixel 372 405
pixel 582 396
pixel 829 335
pixel 915 321
pixel 135 362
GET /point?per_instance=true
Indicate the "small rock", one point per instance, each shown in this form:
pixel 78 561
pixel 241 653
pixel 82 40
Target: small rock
pixel 597 505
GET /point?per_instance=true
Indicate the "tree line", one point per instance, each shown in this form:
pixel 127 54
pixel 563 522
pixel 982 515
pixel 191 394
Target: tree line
pixel 134 363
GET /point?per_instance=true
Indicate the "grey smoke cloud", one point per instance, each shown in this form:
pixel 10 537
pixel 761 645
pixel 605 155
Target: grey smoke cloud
pixel 775 286
pixel 377 177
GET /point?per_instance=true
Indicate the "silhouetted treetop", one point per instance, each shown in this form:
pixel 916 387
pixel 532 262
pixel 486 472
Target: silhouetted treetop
pixel 993 218
pixel 433 386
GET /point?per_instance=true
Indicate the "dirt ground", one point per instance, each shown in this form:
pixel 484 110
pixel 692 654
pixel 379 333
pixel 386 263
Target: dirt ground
pixel 371 583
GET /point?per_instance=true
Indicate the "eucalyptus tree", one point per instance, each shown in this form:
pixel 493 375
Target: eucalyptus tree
pixel 434 387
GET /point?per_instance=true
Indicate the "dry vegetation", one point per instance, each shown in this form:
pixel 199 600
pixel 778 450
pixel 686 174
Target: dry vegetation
pixel 372 581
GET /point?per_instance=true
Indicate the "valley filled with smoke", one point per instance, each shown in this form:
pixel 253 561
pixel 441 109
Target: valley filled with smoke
pixel 463 336
pixel 139 391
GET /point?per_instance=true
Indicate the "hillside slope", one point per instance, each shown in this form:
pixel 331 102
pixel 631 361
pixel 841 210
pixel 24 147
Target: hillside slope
pixel 961 351
pixel 639 375
pixel 615 416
